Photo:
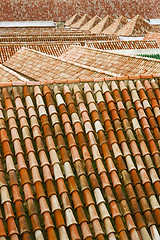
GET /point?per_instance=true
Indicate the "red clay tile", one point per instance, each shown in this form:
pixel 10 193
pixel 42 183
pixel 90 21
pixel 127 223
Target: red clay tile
pixel 12 228
pixel 6 148
pixel 35 222
pixel 2 230
pixel 16 194
pixel 8 210
pixel 24 229
pixel 108 126
pixel 24 177
pixel 126 143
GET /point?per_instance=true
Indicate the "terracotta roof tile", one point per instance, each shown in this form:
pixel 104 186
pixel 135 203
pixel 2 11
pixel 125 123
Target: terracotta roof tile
pixel 113 63
pixel 52 67
pixel 153 36
pixel 90 161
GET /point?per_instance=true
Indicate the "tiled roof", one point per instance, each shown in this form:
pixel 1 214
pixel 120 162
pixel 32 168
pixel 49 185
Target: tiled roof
pixel 136 27
pixel 29 32
pixel 29 63
pixel 117 24
pixel 83 20
pixel 153 36
pixel 7 31
pixel 115 45
pixel 113 62
pixel 80 162
pixel 8 75
pixel 69 37
pixel 91 23
pixel 103 24
pixel 72 20
pixel 56 49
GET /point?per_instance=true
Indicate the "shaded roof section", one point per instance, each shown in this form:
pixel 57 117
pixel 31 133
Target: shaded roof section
pixel 112 62
pixel 41 67
pixel 91 23
pixel 136 27
pixel 83 20
pixel 42 31
pixel 117 24
pixel 57 38
pixel 56 49
pixel 104 23
pixel 72 20
pixel 115 45
pixel 81 142
pixel 153 36
pixel 8 75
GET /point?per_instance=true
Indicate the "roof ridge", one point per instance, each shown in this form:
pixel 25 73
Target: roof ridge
pixel 79 80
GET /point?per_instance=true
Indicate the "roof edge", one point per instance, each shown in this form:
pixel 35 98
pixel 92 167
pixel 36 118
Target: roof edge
pixel 79 80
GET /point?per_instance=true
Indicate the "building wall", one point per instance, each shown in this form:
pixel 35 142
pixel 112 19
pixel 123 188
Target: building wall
pixel 60 10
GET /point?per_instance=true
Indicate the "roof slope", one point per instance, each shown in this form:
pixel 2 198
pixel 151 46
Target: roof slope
pixel 104 23
pixel 91 23
pixel 153 36
pixel 117 24
pixel 60 38
pixel 56 49
pixel 115 45
pixel 89 165
pixel 72 20
pixel 29 63
pixel 138 26
pixel 8 75
pixel 80 22
pixel 112 62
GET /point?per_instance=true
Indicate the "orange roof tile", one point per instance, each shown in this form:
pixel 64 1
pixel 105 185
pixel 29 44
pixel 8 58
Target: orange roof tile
pixel 115 45
pixel 114 63
pixel 89 167
pixel 8 75
pixel 29 63
pixel 56 49
pixel 153 36
pixel 69 37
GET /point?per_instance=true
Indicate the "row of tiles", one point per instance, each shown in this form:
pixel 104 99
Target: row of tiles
pixel 115 63
pixel 101 191
pixel 115 45
pixel 56 49
pixel 48 38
